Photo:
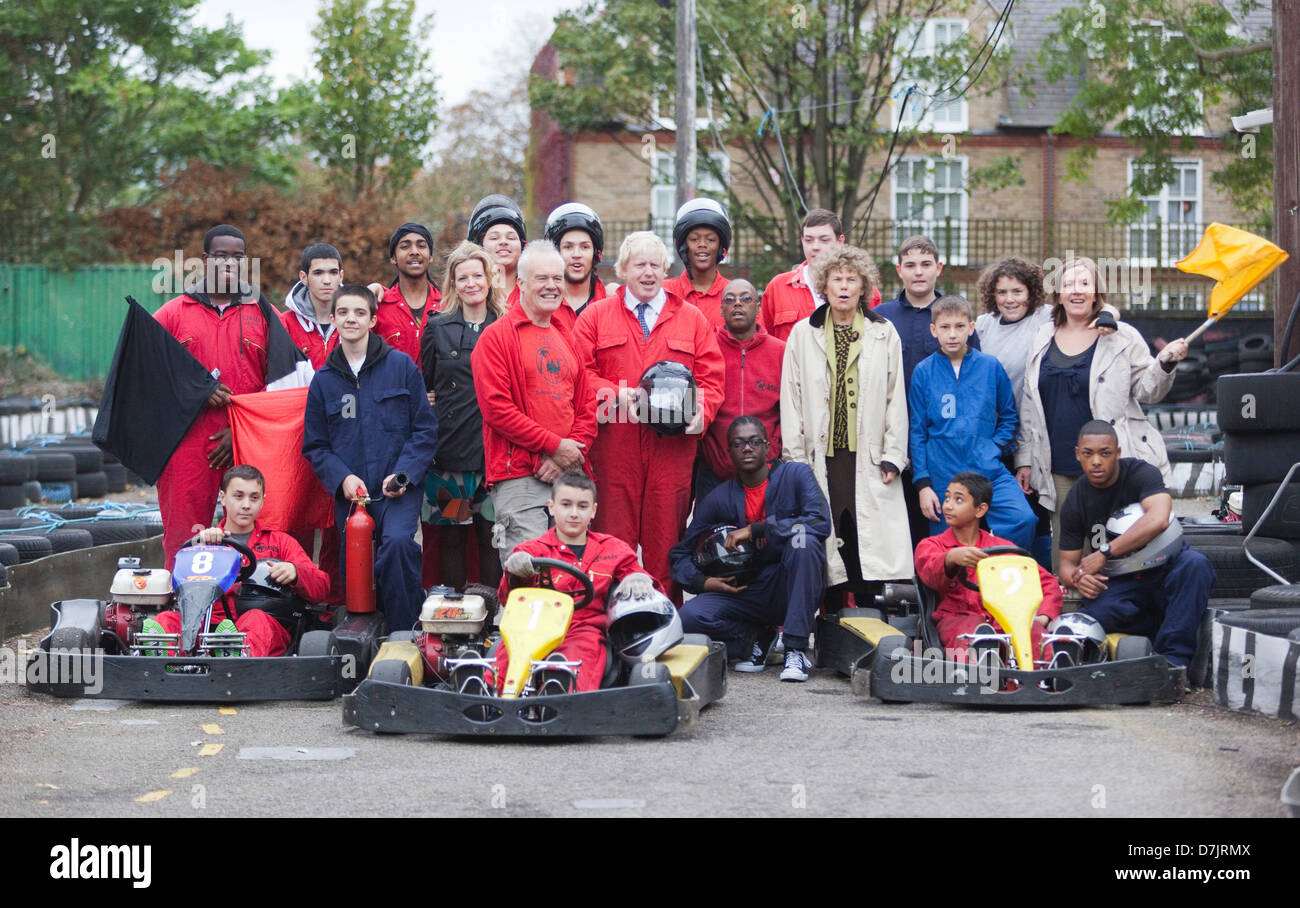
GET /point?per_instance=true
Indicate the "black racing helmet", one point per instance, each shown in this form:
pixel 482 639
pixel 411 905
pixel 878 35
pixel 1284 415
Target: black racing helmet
pixel 495 209
pixel 670 391
pixel 701 212
pixel 713 559
pixel 576 216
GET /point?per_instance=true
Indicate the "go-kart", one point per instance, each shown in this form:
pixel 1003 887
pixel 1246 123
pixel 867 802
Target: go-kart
pixel 97 648
pixel 899 658
pixel 442 679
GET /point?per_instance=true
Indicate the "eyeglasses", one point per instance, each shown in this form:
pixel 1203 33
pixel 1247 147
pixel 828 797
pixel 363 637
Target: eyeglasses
pixel 728 300
pixel 741 444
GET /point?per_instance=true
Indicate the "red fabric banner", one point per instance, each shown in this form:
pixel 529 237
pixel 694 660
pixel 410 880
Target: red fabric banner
pixel 266 429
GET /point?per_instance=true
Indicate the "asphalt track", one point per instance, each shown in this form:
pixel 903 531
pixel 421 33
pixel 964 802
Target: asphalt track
pixel 767 749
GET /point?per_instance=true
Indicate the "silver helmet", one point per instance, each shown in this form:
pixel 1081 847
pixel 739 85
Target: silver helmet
pixel 642 628
pixel 1155 554
pixel 1091 642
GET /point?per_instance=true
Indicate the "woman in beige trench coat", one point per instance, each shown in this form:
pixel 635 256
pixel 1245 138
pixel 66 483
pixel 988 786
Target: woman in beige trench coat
pixel 844 413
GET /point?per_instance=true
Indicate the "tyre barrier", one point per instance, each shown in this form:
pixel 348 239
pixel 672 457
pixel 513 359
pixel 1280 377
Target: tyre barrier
pixel 1255 662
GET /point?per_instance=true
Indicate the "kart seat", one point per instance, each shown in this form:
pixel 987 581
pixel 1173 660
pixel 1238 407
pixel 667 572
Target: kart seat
pixel 929 601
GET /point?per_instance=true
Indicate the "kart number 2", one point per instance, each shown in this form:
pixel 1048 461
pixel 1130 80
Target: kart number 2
pixel 1012 580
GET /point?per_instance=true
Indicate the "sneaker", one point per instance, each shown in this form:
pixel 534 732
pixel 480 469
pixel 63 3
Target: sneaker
pixel 759 652
pixel 151 626
pixel 226 627
pixel 797 666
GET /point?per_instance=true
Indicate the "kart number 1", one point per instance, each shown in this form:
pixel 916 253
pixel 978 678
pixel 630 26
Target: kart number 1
pixel 535 607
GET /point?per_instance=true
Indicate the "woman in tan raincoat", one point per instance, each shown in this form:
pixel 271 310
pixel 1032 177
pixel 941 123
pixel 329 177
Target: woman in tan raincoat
pixel 844 406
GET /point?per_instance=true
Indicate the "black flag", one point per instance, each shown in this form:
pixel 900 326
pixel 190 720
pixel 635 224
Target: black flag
pixel 153 394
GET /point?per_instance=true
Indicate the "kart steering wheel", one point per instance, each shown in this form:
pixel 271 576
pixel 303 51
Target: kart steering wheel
pixel 994 550
pixel 247 570
pixel 544 568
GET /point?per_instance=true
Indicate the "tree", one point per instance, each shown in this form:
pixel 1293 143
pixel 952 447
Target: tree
pixel 1155 71
pixel 807 93
pixel 373 113
pixel 97 98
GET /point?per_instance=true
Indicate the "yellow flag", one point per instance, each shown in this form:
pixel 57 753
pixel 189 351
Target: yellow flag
pixel 1236 259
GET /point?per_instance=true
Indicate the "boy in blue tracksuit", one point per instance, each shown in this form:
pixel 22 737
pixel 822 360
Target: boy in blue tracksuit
pixel 779 511
pixel 368 421
pixel 963 417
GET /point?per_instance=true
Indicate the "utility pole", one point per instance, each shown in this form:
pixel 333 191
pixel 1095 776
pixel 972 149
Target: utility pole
pixel 1286 167
pixel 684 112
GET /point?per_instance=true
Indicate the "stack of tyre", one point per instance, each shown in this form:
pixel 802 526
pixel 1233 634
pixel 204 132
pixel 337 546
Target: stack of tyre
pixel 31 533
pixel 57 469
pixel 1259 415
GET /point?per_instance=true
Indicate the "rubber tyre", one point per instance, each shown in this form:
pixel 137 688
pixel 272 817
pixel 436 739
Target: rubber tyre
pixel 13 496
pixel 76 512
pixel 1276 597
pixel 1181 451
pixel 1284 522
pixel 1235 576
pixel 1132 647
pixel 89 460
pixel 16 468
pixel 106 532
pixel 4 576
pixel 152 520
pixel 317 643
pixel 115 477
pixel 30 547
pixel 888 644
pixel 21 523
pixel 92 485
pixel 69 539
pixel 394 671
pixel 1278 622
pixel 1257 402
pixel 8 555
pixel 1257 459
pixel 32 489
pixel 649 673
pixel 55 466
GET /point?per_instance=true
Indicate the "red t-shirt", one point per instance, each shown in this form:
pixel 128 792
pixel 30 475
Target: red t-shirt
pixel 754 502
pixel 550 370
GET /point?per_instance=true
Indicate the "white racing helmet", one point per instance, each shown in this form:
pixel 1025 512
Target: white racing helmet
pixel 643 628
pixel 1155 554
pixel 1092 637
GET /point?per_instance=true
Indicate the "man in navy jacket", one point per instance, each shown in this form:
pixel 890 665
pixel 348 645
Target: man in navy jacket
pixel 779 511
pixel 368 425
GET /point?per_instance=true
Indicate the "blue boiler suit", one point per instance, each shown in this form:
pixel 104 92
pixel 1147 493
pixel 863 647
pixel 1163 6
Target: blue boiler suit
pixel 966 422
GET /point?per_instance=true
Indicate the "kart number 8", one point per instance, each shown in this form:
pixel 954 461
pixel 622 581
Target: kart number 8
pixel 202 563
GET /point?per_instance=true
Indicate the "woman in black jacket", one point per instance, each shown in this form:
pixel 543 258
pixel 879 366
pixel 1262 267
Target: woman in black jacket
pixel 455 487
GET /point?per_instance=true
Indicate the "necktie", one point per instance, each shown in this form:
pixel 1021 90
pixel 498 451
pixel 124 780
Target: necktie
pixel 640 316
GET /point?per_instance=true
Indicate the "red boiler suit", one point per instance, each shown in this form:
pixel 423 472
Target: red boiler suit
pixel 709 302
pixel 266 636
pixel 398 327
pixel 606 560
pixel 233 342
pixel 312 344
pixel 960 609
pixel 788 299
pixel 644 478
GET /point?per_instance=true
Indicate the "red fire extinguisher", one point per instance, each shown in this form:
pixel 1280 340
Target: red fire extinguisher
pixel 360 532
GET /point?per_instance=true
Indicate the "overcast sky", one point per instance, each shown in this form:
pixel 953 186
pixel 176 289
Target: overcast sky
pixel 468 42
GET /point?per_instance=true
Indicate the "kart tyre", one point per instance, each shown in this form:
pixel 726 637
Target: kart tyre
pixel 71 512
pixel 55 466
pixel 16 468
pixel 8 554
pixel 1277 622
pixel 649 673
pixel 21 523
pixel 69 539
pixel 394 671
pixel 32 489
pixel 1132 647
pixel 1279 596
pixel 1235 576
pixel 92 485
pixel 13 496
pixel 106 532
pixel 888 644
pixel 317 643
pixel 69 640
pixel 30 547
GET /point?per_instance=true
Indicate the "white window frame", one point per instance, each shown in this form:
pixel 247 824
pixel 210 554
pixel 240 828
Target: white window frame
pixel 1178 236
pixel 663 189
pixel 957 111
pixel 904 224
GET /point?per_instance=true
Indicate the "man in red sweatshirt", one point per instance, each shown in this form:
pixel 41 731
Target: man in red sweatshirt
pixel 539 418
pixel 243 492
pixel 753 384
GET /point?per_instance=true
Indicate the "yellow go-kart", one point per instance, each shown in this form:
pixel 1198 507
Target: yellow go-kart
pixel 899 658
pixel 460 696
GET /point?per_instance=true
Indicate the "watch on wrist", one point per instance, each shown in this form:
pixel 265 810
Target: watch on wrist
pixel 1104 548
